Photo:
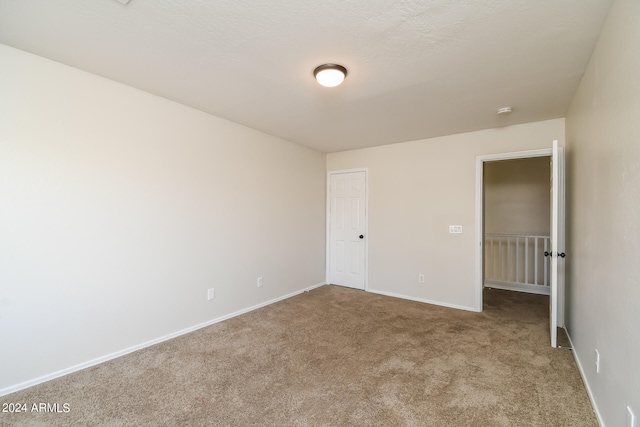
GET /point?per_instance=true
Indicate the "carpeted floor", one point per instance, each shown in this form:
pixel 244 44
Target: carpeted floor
pixel 336 357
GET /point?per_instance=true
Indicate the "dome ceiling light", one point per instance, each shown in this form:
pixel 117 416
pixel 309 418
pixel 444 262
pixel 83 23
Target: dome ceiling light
pixel 330 75
pixel 503 110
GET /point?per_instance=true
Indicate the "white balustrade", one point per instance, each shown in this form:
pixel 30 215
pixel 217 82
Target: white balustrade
pixel 517 262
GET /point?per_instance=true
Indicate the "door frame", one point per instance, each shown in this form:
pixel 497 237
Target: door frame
pixel 366 222
pixel 480 161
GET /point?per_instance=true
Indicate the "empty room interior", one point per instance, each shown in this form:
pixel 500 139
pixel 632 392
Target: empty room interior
pixel 197 229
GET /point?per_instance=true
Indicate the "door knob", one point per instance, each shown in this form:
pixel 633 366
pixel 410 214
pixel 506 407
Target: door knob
pixel 361 236
pixel 546 253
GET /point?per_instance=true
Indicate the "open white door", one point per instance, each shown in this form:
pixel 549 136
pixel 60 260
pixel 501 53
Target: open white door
pixel 557 240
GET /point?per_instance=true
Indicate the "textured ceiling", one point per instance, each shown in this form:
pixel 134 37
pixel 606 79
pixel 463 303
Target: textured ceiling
pixel 417 69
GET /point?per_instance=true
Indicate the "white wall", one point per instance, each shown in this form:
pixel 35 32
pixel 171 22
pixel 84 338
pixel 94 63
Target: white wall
pixel 516 196
pixel 418 189
pixel 118 209
pixel 603 200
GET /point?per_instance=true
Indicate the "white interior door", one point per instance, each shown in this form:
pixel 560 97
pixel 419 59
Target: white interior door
pixel 347 229
pixel 557 242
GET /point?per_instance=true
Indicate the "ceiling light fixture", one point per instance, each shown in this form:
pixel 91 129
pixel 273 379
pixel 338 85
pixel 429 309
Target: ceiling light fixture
pixel 503 110
pixel 330 75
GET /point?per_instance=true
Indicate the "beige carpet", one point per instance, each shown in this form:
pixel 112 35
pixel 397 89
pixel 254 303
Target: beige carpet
pixel 336 357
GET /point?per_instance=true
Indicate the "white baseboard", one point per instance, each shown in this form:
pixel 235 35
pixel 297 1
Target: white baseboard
pixel 584 380
pixel 102 359
pixel 519 287
pixel 443 304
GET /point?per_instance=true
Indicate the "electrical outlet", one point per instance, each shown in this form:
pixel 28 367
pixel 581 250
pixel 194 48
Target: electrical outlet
pixel 420 278
pixel 210 294
pixel 597 362
pixel 259 282
pixel 631 418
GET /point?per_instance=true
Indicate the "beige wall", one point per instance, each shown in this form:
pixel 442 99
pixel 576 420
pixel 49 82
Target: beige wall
pixel 119 209
pixel 603 201
pixel 516 196
pixel 419 188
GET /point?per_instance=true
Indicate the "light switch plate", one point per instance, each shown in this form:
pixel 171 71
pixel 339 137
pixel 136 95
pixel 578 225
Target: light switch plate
pixel 455 229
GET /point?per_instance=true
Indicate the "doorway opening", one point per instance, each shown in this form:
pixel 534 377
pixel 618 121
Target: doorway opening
pixel 517 224
pixel 556 241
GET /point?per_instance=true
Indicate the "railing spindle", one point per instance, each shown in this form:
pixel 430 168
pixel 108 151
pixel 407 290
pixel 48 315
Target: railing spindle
pixel 535 262
pixel 546 282
pixel 517 259
pixel 526 260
